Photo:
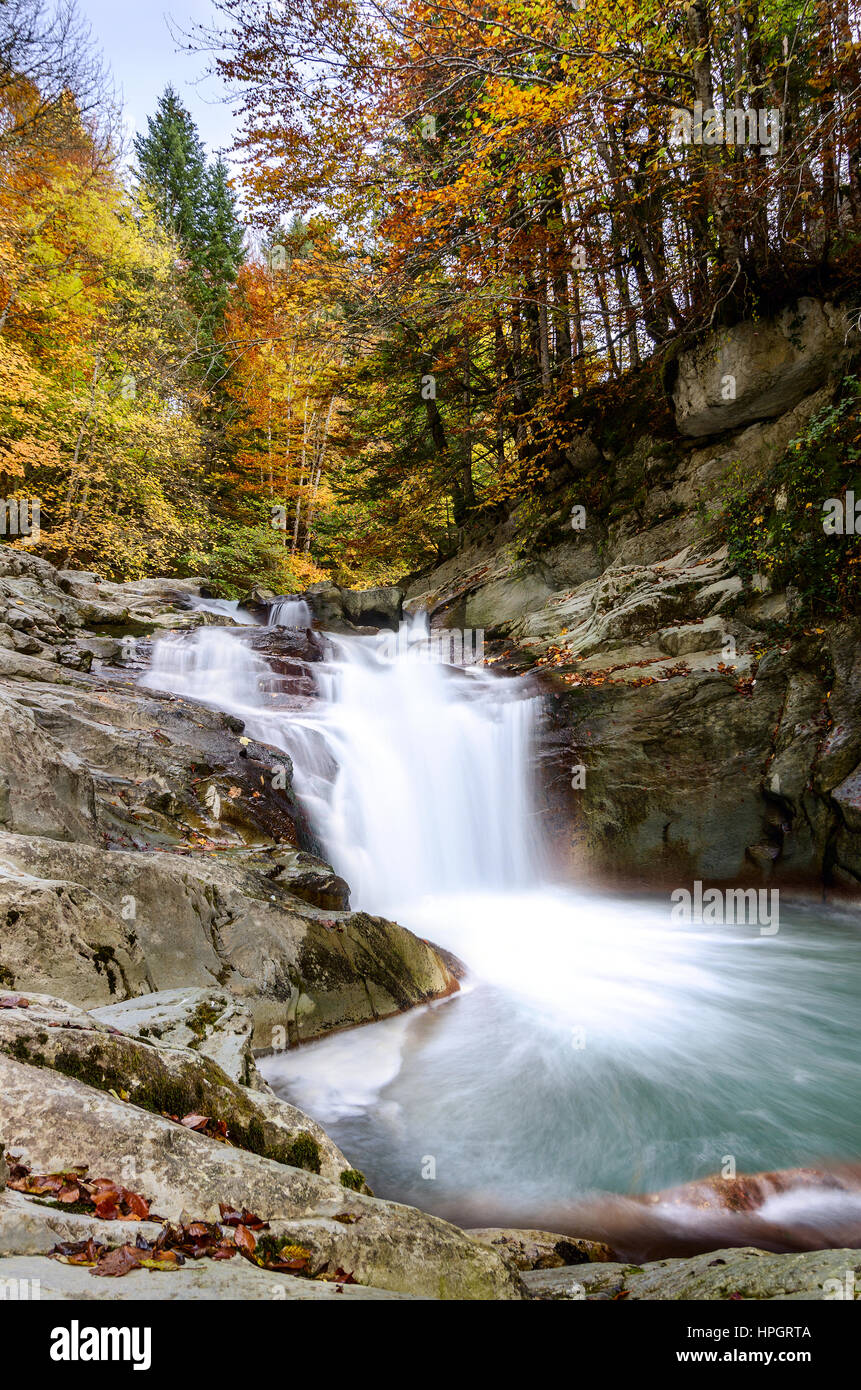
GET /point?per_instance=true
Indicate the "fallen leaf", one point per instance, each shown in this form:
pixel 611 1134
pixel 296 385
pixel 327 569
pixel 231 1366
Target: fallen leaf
pixel 118 1262
pixel 79 1252
pixel 245 1239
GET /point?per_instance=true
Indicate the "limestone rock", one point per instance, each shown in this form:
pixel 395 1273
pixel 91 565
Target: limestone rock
pixel 208 1021
pixel 540 1249
pixel 757 370
pixel 495 606
pixel 58 936
pixel 203 922
pixel 848 798
pixel 380 607
pixel 45 789
pixel 169 1080
pixel 208 1280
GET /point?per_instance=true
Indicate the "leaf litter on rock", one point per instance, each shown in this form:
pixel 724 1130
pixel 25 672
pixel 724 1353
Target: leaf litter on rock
pixel 234 1234
pixel 99 1196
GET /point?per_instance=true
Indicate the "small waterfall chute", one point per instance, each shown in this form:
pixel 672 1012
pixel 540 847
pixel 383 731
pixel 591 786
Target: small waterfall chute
pixel 290 612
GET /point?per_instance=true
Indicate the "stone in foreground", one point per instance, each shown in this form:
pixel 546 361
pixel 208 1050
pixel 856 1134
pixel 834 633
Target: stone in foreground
pixel 743 1273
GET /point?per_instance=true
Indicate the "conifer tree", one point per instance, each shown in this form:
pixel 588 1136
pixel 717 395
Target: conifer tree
pixel 222 243
pixel 195 204
pixel 172 171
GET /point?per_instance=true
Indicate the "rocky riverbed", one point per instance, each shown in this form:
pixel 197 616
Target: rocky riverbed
pixel 165 914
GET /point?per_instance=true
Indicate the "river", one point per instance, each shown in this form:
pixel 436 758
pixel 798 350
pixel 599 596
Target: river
pixel 598 1051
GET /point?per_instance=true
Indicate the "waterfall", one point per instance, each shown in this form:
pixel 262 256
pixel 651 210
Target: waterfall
pixel 432 785
pixel 212 665
pixel 224 607
pixel 415 775
pixel 290 612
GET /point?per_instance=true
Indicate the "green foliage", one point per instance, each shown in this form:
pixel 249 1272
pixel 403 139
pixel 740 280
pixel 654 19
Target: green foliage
pixel 242 556
pixel 172 170
pixel 222 237
pixel 776 527
pixel 304 1152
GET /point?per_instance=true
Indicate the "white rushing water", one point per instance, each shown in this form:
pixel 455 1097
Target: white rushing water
pixel 290 612
pixel 393 738
pixel 408 736
pixel 596 1045
pixel 224 607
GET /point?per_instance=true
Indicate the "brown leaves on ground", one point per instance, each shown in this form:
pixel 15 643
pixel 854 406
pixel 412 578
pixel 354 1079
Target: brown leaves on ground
pixel 246 1240
pixel 197 1240
pixel 290 1259
pixel 113 1264
pixel 99 1196
pixel 339 1276
pixel 236 1233
pixel 557 656
pixel 230 1217
pixel 204 1124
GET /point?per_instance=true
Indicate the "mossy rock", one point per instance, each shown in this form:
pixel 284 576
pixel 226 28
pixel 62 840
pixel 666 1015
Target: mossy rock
pixel 170 1081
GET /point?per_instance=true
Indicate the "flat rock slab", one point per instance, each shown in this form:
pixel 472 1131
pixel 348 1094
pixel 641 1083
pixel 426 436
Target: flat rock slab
pixel 207 1020
pixel 29 1226
pixel 197 1280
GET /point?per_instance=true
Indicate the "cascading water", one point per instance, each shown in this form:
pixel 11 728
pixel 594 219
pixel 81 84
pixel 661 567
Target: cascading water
pixel 290 612
pixel 409 737
pixel 394 738
pixel 223 607
pixel 597 1047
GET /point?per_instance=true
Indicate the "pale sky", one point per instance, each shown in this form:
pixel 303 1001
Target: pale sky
pixel 143 57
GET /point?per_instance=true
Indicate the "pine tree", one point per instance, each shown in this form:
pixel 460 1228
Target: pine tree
pixel 172 171
pixel 196 205
pixel 222 237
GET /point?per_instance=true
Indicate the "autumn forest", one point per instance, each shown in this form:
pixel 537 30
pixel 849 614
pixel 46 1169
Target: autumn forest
pixel 448 234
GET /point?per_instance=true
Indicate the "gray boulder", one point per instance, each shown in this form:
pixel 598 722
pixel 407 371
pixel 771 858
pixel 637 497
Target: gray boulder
pixel 208 1021
pixel 382 607
pixel 744 1273
pixel 205 922
pixel 57 935
pixel 757 370
pixel 172 1080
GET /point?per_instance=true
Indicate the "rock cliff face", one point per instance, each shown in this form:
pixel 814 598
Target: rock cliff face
pixel 759 370
pixel 717 742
